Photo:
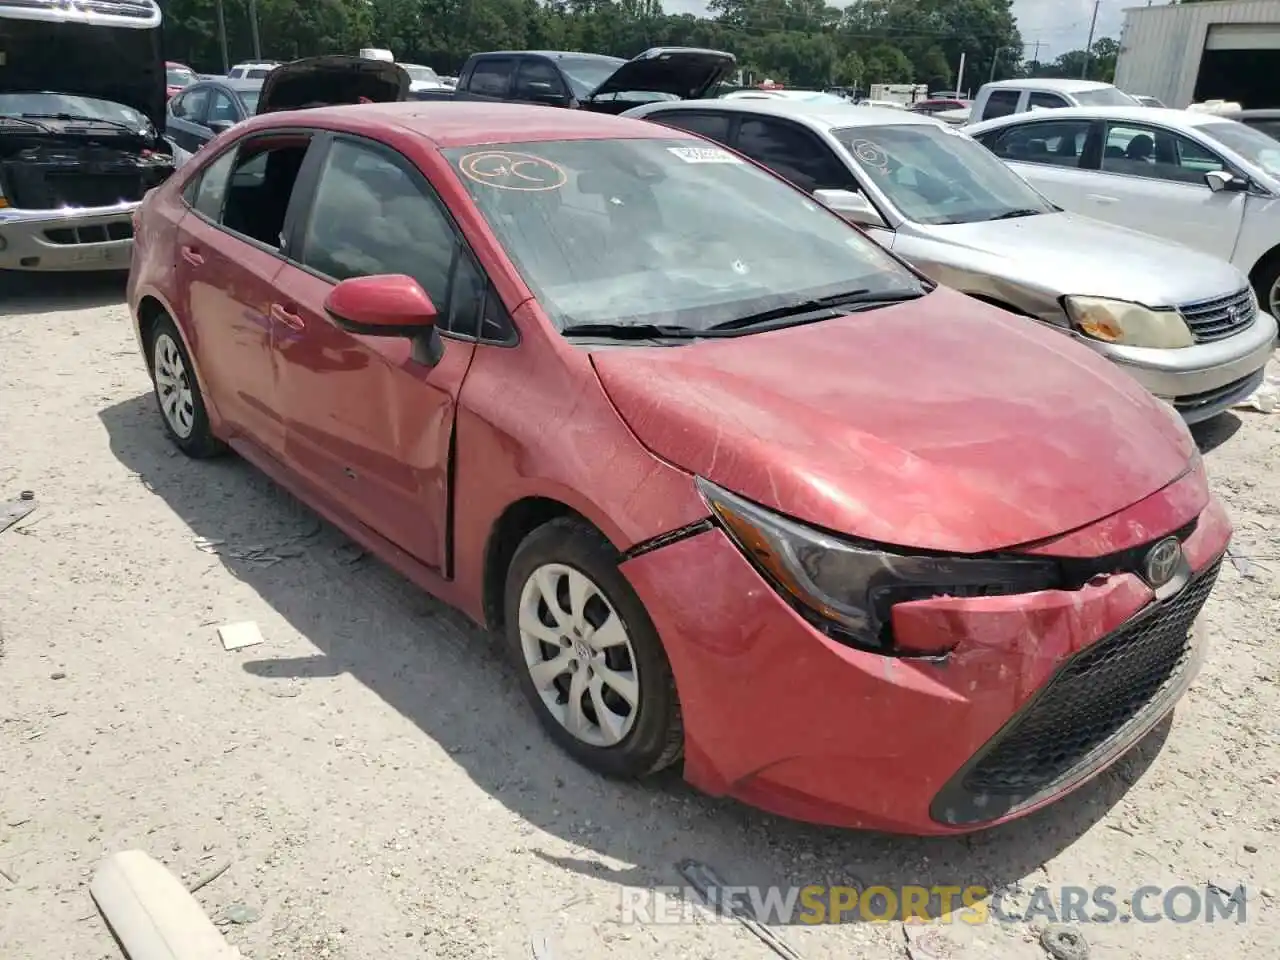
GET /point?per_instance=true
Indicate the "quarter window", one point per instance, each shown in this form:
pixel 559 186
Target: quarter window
pixel 1001 103
pixel 1058 143
pixel 1156 154
pixel 492 78
pixel 793 154
pixel 371 216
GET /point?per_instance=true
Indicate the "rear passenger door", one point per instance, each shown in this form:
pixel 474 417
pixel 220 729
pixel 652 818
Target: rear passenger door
pixel 365 422
pixel 185 119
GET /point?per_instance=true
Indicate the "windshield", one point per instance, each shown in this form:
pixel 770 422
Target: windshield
pixel 587 73
pixel 179 76
pixel 420 74
pixel 664 231
pixel 936 175
pixel 50 104
pixel 1104 97
pixel 1255 146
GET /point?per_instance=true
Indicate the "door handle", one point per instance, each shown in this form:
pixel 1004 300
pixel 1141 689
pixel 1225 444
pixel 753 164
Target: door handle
pixel 1100 198
pixel 288 318
pixel 192 256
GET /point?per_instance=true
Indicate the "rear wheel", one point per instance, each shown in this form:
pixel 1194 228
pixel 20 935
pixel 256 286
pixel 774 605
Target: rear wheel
pixel 590 660
pixel 178 394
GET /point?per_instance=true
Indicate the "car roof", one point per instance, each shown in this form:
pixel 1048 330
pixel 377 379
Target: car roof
pixel 1263 114
pixel 468 123
pixel 1165 116
pixel 553 54
pixel 820 114
pixel 1061 84
pixel 238 85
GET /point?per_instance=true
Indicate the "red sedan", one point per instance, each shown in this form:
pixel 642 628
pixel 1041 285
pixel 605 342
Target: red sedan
pixel 737 486
pixel 177 77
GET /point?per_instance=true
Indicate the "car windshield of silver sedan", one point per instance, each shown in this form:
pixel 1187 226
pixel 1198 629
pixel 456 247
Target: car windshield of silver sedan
pixel 1254 145
pixel 936 175
pixel 41 108
pixel 668 233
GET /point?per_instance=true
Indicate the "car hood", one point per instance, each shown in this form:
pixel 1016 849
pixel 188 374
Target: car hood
pixel 942 424
pixel 685 72
pixel 1068 254
pixel 124 65
pixel 332 80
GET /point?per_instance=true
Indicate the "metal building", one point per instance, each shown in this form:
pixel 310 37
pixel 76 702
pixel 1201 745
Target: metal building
pixel 1188 53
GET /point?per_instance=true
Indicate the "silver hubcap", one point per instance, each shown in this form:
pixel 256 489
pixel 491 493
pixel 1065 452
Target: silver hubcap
pixel 579 655
pixel 172 386
pixel 1273 299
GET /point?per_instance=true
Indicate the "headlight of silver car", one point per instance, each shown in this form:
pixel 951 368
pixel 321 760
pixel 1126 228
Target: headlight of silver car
pixel 1130 324
pixel 847 589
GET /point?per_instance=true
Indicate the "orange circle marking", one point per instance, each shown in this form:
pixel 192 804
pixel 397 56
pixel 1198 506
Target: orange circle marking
pixel 498 168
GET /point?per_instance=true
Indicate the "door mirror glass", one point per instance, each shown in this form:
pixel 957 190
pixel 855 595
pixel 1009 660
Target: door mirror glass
pixel 853 206
pixel 1220 181
pixel 390 305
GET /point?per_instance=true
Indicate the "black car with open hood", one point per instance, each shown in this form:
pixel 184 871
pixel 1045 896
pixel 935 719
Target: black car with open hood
pixel 589 81
pixel 331 81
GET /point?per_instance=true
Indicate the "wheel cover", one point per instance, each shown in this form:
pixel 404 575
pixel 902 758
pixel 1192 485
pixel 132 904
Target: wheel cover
pixel 1273 298
pixel 579 655
pixel 173 389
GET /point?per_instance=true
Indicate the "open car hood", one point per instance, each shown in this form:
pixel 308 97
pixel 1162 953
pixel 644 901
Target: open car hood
pixel 124 65
pixel 330 81
pixel 686 72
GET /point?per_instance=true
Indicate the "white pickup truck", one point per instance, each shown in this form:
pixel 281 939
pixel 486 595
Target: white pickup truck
pixel 1003 97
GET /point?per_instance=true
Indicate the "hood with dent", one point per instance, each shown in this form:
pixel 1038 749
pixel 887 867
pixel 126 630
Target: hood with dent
pixel 332 80
pixel 1066 254
pixel 942 424
pixel 685 72
pixel 120 64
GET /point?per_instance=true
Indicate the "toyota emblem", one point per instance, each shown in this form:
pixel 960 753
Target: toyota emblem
pixel 1162 562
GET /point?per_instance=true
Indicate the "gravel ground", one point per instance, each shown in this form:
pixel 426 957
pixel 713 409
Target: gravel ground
pixel 374 777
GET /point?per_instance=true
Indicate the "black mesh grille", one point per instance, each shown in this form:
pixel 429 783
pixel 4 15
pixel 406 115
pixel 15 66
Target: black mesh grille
pixel 1220 317
pixel 1089 702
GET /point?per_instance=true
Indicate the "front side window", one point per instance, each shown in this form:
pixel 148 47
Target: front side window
pixel 1057 143
pixel 492 78
pixel 934 175
pixel 1156 154
pixel 671 231
pixel 372 216
pixel 1001 103
pixel 792 153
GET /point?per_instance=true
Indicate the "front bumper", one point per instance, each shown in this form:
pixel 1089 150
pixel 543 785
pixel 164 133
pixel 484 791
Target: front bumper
pixel 78 238
pixel 1204 380
pixel 782 718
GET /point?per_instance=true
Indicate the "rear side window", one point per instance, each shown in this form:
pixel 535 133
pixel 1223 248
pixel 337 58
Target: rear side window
pixel 793 154
pixel 210 189
pixel 713 125
pixel 1001 103
pixel 1058 143
pixel 492 78
pixel 539 80
pixel 261 186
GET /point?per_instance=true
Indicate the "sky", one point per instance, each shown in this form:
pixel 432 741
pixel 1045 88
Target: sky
pixel 1061 25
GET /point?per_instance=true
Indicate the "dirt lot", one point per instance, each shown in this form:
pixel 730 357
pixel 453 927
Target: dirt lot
pixel 374 776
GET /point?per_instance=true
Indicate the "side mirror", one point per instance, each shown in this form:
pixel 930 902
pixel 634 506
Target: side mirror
pixel 1220 181
pixel 391 305
pixel 853 206
pixel 220 126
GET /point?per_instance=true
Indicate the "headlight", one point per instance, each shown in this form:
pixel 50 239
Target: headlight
pixel 1131 324
pixel 847 589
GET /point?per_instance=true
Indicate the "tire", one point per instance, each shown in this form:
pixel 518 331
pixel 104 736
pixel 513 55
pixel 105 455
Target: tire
pixel 1266 283
pixel 177 393
pixel 649 735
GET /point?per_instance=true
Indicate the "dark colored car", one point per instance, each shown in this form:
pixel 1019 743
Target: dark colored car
pixel 732 481
pixel 177 77
pixel 1265 121
pixel 205 109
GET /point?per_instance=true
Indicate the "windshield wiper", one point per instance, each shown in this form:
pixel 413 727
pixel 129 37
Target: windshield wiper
pixel 73 117
pixel 824 307
pixel 1020 212
pixel 7 118
pixel 632 331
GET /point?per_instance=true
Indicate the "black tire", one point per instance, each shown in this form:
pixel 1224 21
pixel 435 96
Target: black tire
pixel 656 737
pixel 199 442
pixel 1264 278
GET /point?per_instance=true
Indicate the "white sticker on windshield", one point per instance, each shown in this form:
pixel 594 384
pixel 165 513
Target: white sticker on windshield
pixel 704 155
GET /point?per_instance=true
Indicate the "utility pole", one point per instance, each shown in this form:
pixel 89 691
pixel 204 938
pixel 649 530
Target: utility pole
pixel 960 77
pixel 1088 47
pixel 1035 56
pixel 257 45
pixel 222 39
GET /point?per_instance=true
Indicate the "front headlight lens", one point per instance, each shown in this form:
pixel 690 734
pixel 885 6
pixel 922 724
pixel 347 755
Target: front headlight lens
pixel 848 589
pixel 1130 324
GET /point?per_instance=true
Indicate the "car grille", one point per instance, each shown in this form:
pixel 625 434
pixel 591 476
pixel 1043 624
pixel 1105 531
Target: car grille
pixel 56 189
pixel 91 233
pixel 1216 319
pixel 1094 700
pixel 1191 402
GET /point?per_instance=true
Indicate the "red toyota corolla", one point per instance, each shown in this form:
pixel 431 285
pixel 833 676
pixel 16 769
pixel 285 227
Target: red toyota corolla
pixel 736 485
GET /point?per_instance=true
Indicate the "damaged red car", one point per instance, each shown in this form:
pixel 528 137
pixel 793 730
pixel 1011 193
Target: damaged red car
pixel 739 488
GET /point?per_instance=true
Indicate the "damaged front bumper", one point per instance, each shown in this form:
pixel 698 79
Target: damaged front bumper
pixel 72 238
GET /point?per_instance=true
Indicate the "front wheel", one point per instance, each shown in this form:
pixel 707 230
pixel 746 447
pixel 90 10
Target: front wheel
pixel 1266 284
pixel 178 394
pixel 590 660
